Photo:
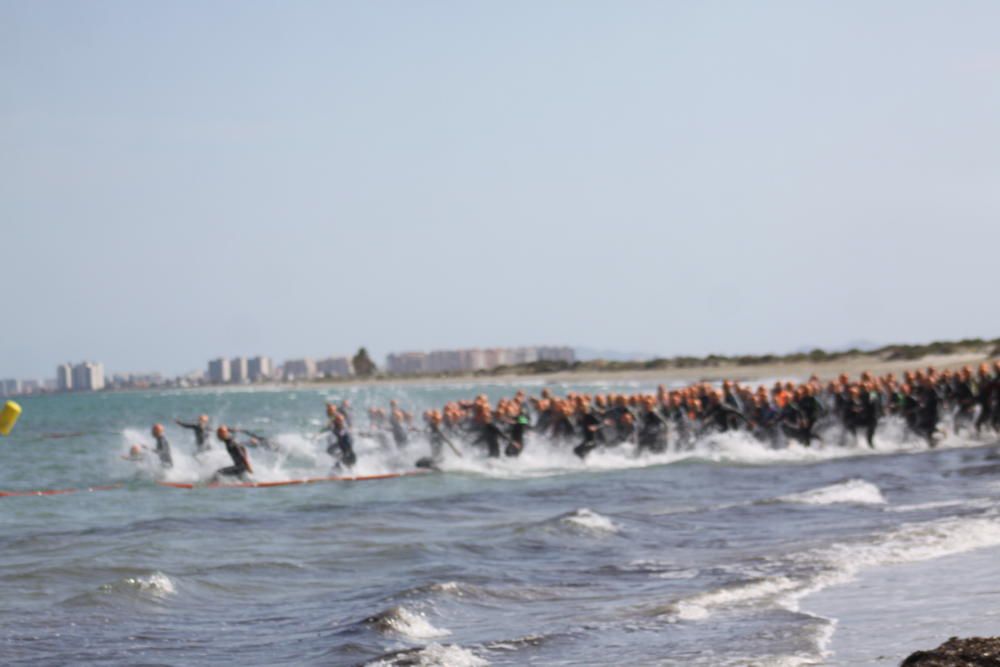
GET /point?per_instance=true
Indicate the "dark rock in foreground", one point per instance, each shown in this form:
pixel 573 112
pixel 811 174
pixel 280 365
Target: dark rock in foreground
pixel 971 652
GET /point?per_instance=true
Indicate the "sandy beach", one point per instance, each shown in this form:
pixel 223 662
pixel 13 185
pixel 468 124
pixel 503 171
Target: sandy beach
pixel 852 365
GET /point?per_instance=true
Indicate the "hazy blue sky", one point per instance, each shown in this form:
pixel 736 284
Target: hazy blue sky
pixel 180 180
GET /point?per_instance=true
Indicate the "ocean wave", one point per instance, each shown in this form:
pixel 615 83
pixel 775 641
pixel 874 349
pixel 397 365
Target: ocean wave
pixel 403 621
pixel 815 569
pixel 588 521
pixel 155 585
pixel 432 655
pixel 853 491
pixel 702 605
pixel 941 504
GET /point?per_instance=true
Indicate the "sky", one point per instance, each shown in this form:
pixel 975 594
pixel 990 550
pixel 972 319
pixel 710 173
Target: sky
pixel 184 180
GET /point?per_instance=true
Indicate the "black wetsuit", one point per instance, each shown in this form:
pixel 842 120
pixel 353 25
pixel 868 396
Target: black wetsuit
pixel 163 451
pixel 437 439
pixel 238 454
pixel 399 432
pixel 985 399
pixel 766 420
pixel 907 407
pixel 562 428
pixel 589 425
pixel 201 440
pixel 342 442
pixel 517 431
pixel 490 434
pixel 793 423
pixel 965 399
pixel 652 432
pixel 928 413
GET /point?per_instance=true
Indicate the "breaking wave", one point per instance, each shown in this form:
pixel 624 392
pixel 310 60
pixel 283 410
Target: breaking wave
pixel 809 571
pixel 854 491
pixel 156 585
pixel 402 621
pixel 432 655
pixel 585 520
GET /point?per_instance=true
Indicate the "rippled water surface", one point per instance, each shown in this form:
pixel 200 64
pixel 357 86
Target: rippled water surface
pixel 733 553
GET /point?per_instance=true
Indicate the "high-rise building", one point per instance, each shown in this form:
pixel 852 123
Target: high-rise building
pixel 238 370
pixel 448 361
pixel 334 367
pixel 522 355
pixel 259 369
pixel 406 363
pixel 218 371
pixel 10 387
pixel 300 369
pixel 88 376
pixel 473 360
pixel 64 377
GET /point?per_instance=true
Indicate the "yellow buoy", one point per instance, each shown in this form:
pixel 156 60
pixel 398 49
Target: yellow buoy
pixel 8 417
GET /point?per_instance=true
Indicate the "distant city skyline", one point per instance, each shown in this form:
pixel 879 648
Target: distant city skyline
pixel 90 376
pixel 181 180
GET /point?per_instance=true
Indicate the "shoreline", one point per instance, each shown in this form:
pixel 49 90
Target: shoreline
pixel 853 365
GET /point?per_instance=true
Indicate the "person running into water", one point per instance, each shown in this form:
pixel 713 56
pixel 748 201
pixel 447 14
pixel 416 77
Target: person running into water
pixel 162 446
pixel 398 424
pixel 341 445
pixel 139 453
pixel 238 453
pixel 518 428
pixel 201 430
pixel 589 425
pixel 489 433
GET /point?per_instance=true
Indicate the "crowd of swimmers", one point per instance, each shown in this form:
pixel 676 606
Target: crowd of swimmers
pixel 838 412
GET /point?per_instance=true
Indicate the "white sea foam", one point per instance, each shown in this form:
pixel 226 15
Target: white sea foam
pixel 702 605
pixel 590 521
pixel 411 624
pixel 854 491
pixel 815 569
pixel 434 655
pixel 157 585
pixel 304 455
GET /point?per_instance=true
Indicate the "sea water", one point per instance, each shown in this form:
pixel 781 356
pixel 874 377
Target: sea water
pixel 732 553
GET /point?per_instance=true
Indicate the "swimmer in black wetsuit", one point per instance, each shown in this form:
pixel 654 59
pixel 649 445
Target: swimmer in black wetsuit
pixel 519 425
pixel 964 398
pixel 490 434
pixel 985 390
pixel 397 422
pixel 589 424
pixel 928 412
pixel 162 446
pixel 652 433
pixel 342 442
pixel 201 430
pixel 438 440
pixel 237 452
